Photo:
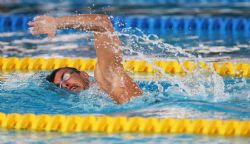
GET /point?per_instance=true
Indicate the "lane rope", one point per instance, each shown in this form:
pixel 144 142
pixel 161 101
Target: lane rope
pixel 121 124
pixel 238 69
pixel 163 24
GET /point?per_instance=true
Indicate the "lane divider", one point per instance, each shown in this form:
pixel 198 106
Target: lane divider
pixel 160 24
pixel 121 124
pixel 238 69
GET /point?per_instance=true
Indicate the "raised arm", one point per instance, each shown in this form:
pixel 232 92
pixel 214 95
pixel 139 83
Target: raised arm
pixel 109 72
pixel 105 41
pixel 49 24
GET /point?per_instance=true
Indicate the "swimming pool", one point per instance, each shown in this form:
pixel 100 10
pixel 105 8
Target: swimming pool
pixel 196 95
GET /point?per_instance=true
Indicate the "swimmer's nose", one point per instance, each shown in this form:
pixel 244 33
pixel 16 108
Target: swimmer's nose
pixel 70 86
pixel 66 85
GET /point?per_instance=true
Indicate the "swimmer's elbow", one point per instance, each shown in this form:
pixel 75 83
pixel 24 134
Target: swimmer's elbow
pixel 122 94
pixel 106 24
pixel 125 98
pixel 139 92
pixel 120 100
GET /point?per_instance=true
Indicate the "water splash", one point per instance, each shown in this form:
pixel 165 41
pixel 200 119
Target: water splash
pixel 196 84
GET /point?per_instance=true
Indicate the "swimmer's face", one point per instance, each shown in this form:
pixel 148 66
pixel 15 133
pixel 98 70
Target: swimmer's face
pixel 72 80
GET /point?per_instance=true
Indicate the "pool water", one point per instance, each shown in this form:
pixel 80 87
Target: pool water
pixel 31 93
pixel 197 95
pixel 93 138
pixel 226 98
pixel 79 44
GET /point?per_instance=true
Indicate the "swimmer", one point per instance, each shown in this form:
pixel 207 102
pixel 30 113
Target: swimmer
pixel 109 73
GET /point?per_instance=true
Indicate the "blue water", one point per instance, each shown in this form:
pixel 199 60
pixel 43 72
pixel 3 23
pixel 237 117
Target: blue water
pixel 30 93
pixel 96 138
pixel 197 95
pixel 79 44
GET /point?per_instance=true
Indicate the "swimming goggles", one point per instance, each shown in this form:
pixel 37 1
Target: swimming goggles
pixel 66 76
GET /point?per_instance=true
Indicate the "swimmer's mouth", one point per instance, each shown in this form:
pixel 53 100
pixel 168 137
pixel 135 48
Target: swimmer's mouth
pixel 75 88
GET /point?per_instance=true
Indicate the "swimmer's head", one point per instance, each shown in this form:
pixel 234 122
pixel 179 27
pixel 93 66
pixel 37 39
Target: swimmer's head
pixel 70 79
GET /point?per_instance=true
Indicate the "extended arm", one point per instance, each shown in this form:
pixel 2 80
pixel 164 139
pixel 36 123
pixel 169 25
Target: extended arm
pixel 109 72
pixel 106 42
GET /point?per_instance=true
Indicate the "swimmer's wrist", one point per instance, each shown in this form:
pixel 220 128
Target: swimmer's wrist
pixel 57 22
pixel 99 23
pixel 62 22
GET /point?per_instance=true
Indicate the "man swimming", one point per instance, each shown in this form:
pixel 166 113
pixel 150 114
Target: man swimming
pixel 109 72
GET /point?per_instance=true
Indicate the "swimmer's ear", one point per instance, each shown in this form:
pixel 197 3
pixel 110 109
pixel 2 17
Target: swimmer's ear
pixel 84 74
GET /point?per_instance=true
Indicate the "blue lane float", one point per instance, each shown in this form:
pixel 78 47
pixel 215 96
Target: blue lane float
pixel 162 24
pixel 14 23
pixel 184 24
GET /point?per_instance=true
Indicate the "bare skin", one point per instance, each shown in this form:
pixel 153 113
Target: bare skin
pixel 109 72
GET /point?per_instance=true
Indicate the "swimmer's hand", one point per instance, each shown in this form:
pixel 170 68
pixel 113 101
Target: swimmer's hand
pixel 43 25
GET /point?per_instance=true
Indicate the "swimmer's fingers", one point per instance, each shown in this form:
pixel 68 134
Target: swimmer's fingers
pixel 34 31
pixel 36 27
pixel 35 20
pixel 38 31
pixel 38 18
pixel 36 24
pixel 31 23
pixel 43 25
